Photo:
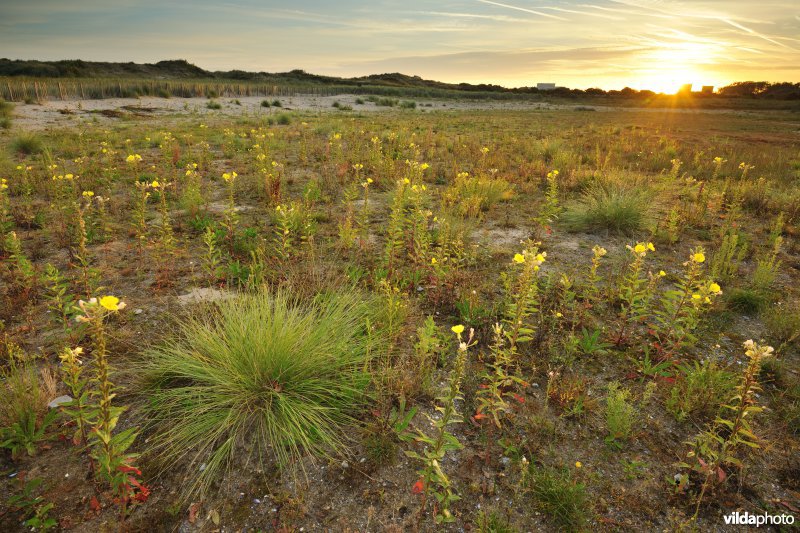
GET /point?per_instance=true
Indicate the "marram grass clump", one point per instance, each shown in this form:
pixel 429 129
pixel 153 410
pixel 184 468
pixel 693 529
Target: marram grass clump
pixel 611 205
pixel 261 379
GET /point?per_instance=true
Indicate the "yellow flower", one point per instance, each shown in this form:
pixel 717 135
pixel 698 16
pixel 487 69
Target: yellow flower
pixel 651 247
pixel 558 314
pixel 229 177
pixel 662 273
pixel 111 303
pixel 698 257
pixel 714 287
pixel 578 464
pixel 640 248
pixel 458 330
pixel 88 194
pixel 519 258
pixel 433 260
pixel 3 184
pixel 696 296
pixel 155 184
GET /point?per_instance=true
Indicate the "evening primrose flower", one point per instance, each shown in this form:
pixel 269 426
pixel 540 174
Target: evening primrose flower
pixel 641 248
pixel 3 184
pixel 229 176
pixel 714 288
pixel 578 464
pixel 458 330
pixel 111 303
pixel 698 257
pixel 133 158
pixel 155 184
pixel 661 273
pixel 519 258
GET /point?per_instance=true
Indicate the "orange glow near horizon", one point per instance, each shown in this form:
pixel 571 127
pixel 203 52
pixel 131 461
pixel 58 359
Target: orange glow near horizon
pixel 672 65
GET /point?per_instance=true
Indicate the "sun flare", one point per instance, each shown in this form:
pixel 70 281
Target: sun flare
pixel 671 65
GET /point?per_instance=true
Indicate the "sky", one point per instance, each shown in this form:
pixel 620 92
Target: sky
pixel 611 44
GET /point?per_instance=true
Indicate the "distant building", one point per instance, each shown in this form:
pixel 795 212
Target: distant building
pixel 707 89
pixel 686 88
pixel 546 86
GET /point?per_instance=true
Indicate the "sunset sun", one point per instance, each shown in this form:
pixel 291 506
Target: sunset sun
pixel 669 66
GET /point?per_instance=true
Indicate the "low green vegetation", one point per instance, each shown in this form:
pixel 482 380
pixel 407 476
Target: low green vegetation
pixel 261 372
pixel 492 320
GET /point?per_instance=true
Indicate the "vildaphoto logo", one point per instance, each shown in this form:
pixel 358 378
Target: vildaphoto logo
pixel 758 520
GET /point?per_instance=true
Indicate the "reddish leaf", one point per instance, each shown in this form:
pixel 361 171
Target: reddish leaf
pixel 94 504
pixel 128 469
pixel 418 487
pixel 193 510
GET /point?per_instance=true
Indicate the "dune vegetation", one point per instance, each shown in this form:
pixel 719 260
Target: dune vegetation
pixel 415 318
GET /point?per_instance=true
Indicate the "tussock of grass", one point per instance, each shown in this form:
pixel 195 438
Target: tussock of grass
pixel 745 301
pixel 559 497
pixel 27 144
pixel 6 109
pixel 263 376
pixel 612 205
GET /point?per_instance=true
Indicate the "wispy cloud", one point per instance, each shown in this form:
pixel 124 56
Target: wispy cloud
pixel 608 43
pixel 523 9
pixel 754 33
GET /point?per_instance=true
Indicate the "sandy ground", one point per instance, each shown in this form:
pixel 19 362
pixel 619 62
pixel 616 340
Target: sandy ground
pixel 58 113
pixel 65 113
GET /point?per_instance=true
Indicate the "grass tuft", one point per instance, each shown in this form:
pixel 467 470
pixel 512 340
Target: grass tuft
pixel 612 205
pixel 262 377
pixel 27 144
pixel 6 110
pixel 558 496
pixel 746 301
